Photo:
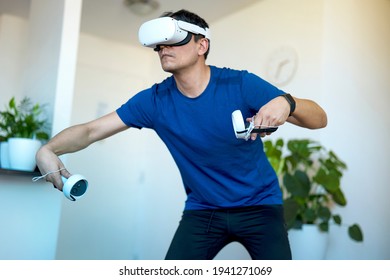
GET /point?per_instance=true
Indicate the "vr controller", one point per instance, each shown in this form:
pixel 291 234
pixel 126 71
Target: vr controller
pixel 243 131
pixel 74 187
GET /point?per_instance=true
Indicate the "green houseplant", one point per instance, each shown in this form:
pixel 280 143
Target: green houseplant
pixel 310 178
pixel 23 120
pixel 23 127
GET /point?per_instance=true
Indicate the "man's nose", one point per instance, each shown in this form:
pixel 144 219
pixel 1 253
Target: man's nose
pixel 160 47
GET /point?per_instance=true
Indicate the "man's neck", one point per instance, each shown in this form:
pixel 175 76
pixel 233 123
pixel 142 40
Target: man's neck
pixel 193 82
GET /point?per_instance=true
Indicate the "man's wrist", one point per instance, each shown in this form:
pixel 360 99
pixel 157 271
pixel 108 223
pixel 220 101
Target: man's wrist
pixel 290 101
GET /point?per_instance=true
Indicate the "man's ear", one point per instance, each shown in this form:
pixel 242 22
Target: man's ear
pixel 203 46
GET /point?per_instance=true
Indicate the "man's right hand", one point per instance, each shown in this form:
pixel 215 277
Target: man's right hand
pixel 47 162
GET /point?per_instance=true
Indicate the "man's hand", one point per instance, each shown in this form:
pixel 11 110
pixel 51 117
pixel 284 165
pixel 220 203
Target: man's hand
pixel 47 162
pixel 274 113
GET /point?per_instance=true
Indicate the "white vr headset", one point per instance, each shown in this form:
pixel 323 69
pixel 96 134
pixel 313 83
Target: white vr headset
pixel 168 31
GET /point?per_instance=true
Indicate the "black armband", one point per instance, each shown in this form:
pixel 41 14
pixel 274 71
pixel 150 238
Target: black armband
pixel 290 101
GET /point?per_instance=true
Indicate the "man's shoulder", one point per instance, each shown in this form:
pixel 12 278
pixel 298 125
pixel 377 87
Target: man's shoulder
pixel 163 86
pixel 227 71
pixel 228 76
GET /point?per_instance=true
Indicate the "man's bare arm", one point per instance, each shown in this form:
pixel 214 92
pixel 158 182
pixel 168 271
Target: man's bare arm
pixel 73 139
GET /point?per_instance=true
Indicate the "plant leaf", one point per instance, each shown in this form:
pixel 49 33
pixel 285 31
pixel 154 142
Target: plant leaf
pixel 337 219
pixel 324 213
pixel 324 226
pixel 291 208
pixel 309 216
pixel 297 184
pixel 355 233
pixel 339 197
pixel 329 180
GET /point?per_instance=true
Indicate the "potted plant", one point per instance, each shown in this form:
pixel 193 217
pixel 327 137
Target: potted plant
pixel 309 177
pixel 23 127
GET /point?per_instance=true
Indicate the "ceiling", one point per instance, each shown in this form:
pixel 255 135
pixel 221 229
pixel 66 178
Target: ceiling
pixel 112 19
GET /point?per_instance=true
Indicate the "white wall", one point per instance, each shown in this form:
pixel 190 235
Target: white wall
pixel 12 48
pixel 49 69
pixel 356 94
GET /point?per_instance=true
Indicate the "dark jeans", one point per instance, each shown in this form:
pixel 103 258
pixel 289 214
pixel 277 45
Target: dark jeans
pixel 203 233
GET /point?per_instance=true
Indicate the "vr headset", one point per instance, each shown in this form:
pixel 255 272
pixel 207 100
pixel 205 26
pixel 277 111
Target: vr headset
pixel 168 31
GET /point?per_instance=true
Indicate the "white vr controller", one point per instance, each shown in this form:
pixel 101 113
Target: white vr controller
pixel 74 187
pixel 243 132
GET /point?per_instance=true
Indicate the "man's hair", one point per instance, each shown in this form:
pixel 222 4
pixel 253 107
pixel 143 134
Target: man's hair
pixel 190 17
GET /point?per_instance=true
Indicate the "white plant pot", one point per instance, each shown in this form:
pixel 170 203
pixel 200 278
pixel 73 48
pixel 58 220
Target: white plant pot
pixel 22 153
pixel 4 155
pixel 308 243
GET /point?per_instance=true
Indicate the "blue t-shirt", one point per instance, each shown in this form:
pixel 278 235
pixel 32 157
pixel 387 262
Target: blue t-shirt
pixel 218 170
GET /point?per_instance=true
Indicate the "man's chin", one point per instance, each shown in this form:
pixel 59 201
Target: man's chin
pixel 168 69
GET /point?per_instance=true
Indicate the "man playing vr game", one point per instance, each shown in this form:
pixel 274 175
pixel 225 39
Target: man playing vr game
pixel 232 191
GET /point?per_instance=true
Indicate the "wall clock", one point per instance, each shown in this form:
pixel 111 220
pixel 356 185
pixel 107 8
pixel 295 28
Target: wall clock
pixel 282 65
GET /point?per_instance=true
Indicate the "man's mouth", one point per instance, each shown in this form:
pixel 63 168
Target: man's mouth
pixel 165 55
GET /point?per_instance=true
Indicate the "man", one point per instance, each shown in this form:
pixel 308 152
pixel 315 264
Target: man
pixel 232 191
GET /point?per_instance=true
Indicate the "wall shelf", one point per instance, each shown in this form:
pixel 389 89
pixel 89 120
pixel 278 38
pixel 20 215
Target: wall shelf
pixel 19 172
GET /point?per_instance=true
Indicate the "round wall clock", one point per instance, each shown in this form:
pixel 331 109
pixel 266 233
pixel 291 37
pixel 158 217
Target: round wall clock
pixel 282 65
